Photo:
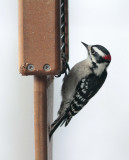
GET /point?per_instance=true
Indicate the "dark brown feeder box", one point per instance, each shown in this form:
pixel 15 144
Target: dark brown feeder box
pixel 43 36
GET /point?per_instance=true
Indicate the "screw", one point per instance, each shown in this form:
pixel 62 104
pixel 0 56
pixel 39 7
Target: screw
pixel 30 67
pixel 47 67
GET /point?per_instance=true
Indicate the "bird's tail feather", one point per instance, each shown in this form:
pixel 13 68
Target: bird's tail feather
pixel 56 124
pixel 66 120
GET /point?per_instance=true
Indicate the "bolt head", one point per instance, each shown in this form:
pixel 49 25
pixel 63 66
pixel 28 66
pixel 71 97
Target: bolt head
pixel 30 67
pixel 47 67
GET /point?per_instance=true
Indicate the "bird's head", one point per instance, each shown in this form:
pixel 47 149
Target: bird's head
pixel 98 54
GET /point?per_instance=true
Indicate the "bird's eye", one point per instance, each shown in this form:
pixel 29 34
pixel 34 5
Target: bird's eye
pixel 92 51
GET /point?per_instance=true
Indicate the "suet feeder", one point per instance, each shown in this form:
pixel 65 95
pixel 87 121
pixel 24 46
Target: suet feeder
pixel 43 39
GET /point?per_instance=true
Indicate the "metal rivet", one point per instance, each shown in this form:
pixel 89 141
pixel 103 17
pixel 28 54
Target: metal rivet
pixel 47 67
pixel 30 67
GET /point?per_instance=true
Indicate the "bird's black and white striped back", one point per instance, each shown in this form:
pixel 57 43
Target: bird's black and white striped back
pixel 85 90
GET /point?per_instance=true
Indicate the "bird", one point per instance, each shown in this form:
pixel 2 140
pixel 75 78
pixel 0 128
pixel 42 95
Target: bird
pixel 81 84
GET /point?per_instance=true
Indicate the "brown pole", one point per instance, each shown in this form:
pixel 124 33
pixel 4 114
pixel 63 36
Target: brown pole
pixel 43 100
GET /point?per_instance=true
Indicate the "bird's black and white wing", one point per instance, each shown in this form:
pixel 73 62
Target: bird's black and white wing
pixel 85 90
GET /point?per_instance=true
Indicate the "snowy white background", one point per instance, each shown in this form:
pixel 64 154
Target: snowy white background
pixel 101 130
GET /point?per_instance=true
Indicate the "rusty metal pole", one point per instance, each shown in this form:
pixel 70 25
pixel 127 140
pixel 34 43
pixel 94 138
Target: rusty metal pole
pixel 43 100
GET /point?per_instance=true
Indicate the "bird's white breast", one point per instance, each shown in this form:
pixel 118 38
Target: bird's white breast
pixel 79 71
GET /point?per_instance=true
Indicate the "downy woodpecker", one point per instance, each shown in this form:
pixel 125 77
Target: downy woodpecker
pixel 82 83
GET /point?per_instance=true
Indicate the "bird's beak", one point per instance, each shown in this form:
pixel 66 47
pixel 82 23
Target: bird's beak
pixel 85 45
